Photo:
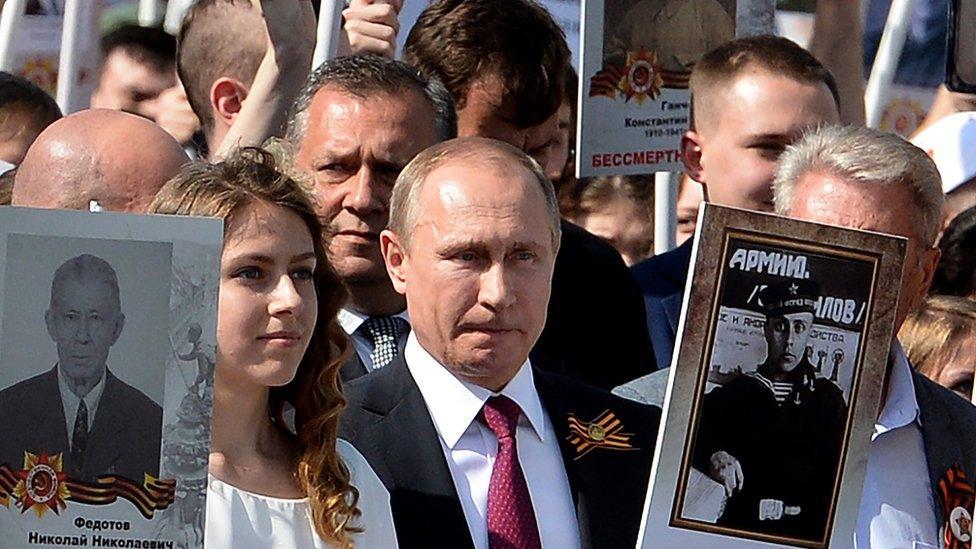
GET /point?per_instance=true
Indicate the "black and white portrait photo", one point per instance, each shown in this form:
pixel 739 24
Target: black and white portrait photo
pixel 783 344
pixel 73 383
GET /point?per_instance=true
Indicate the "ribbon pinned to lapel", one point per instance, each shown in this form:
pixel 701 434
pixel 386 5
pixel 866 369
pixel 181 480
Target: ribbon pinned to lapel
pixel 606 431
pixel 957 501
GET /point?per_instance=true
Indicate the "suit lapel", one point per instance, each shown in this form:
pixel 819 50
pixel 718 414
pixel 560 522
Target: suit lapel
pixel 422 483
pixel 110 420
pixel 941 441
pixel 353 366
pixel 50 414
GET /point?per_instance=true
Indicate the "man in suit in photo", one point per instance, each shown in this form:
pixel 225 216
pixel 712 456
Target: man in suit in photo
pixel 925 435
pixel 751 98
pixel 505 62
pixel 99 424
pixel 356 124
pixel 478 446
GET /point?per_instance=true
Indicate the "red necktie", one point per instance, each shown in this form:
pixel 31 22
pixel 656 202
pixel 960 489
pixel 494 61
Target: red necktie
pixel 511 519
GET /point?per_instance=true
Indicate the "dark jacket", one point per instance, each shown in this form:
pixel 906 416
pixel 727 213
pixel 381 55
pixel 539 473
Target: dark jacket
pixel 387 420
pixel 123 440
pixel 662 281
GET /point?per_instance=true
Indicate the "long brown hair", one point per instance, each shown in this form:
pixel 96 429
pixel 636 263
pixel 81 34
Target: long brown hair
pixel 249 176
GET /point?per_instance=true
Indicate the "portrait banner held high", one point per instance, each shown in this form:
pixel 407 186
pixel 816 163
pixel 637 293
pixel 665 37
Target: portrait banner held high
pixel 107 338
pixel 783 345
pixel 635 62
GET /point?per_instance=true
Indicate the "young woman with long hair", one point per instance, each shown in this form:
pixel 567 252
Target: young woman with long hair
pixel 278 342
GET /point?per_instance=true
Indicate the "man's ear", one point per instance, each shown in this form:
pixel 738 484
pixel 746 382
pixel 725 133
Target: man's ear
pixel 691 155
pixel 51 326
pixel 929 262
pixel 395 256
pixel 226 99
pixel 119 324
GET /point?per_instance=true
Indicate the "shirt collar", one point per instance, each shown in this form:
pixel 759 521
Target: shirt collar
pixel 70 400
pixel 351 320
pixel 901 405
pixel 454 404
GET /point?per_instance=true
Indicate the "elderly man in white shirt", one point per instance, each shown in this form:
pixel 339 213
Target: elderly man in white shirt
pixel 479 447
pixel 918 487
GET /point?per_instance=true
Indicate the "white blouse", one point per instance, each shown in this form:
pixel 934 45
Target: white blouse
pixel 243 520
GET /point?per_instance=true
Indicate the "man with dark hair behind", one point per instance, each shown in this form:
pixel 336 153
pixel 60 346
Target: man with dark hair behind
pixel 504 62
pixel 956 272
pixel 25 110
pixel 137 67
pixel 356 124
pixel 750 99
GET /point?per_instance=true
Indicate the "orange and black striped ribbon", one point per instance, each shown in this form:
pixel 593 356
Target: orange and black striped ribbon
pixel 611 429
pixel 955 491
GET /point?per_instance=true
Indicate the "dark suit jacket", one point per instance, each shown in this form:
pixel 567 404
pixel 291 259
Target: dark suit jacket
pixel 124 439
pixel 594 331
pixel 388 422
pixel 948 433
pixel 662 280
pixel 353 366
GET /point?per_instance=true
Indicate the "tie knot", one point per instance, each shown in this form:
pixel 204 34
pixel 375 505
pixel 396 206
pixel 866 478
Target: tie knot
pixel 501 415
pixel 381 328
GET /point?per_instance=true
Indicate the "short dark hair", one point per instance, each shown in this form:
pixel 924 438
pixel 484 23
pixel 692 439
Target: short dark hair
pixel 365 75
pixel 773 54
pixel 956 272
pixel 20 95
pixel 459 41
pixel 214 41
pixel 151 46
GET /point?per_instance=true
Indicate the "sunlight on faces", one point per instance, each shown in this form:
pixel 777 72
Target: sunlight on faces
pixel 355 148
pixel 267 307
pixel 621 223
pixel 484 114
pixel 477 268
pixel 786 339
pixel 832 200
pixel 84 321
pixel 559 154
pixel 130 86
pixel 742 130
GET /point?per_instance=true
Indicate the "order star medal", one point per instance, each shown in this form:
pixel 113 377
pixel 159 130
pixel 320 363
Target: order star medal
pixel 42 484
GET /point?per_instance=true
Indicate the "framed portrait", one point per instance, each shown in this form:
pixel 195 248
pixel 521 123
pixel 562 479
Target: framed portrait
pixel 107 354
pixel 774 390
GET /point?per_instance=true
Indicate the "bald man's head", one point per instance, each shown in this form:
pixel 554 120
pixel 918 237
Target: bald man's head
pixel 117 159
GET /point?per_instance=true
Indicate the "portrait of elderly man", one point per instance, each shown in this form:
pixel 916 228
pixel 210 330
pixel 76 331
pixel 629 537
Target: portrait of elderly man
pixel 772 437
pixel 99 424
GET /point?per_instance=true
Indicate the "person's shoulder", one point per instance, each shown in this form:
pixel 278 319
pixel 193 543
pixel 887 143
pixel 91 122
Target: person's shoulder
pixel 376 518
pixel 663 274
pixel 954 408
pixel 135 400
pixel 361 475
pixel 26 389
pixel 593 400
pixel 648 389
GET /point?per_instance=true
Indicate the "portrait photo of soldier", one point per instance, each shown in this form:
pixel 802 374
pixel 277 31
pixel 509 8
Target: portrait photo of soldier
pixel 771 437
pixel 679 32
pixel 78 407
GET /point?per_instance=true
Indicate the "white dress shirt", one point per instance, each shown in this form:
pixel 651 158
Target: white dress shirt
pixel 351 321
pixel 470 447
pixel 70 402
pixel 897 509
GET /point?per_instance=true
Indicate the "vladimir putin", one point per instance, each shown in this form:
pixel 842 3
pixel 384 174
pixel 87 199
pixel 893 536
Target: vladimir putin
pixel 99 424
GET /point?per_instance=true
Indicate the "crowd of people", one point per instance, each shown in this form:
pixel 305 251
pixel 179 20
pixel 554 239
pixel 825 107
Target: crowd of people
pixel 411 268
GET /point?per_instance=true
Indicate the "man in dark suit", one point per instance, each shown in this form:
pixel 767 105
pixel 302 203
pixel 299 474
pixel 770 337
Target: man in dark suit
pixel 922 458
pixel 504 62
pixel 478 447
pixel 356 124
pixel 79 409
pixel 751 98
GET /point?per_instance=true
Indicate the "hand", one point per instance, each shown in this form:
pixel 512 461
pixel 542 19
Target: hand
pixel 175 115
pixel 371 26
pixel 290 26
pixel 726 471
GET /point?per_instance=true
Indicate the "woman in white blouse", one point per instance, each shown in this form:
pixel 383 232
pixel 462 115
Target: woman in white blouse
pixel 277 341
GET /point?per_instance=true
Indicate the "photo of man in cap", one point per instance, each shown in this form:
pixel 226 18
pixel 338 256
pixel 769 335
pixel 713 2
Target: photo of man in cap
pixel 772 437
